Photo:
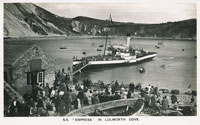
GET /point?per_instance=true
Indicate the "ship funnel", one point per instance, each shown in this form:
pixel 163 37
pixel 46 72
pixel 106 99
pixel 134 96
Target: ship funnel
pixel 128 40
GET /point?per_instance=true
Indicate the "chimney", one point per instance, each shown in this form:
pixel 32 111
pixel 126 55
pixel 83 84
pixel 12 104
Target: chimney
pixel 128 40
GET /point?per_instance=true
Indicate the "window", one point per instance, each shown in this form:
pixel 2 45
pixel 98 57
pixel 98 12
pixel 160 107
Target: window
pixel 40 77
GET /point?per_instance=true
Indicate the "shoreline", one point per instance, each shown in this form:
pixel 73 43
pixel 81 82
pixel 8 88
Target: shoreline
pixel 8 38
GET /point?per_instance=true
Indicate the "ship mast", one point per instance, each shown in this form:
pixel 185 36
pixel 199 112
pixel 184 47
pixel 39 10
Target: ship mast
pixel 104 53
pixel 110 19
pixel 110 23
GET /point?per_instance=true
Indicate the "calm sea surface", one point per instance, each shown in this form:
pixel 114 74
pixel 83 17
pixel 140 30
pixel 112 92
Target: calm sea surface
pixel 179 72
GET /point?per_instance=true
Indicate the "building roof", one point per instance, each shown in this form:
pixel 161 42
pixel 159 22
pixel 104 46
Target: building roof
pixel 13 51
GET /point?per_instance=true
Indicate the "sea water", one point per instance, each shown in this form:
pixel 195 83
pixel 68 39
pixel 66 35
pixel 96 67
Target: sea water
pixel 179 70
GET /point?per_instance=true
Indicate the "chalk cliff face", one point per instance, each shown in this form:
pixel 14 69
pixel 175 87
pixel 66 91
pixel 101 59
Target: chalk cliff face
pixel 78 27
pixel 14 24
pixel 26 19
pixel 30 20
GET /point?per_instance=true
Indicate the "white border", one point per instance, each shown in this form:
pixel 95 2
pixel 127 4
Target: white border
pixel 185 120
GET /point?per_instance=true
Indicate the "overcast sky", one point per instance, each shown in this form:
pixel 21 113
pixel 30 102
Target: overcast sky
pixel 126 12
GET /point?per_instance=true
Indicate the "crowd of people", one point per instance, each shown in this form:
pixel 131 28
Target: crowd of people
pixel 64 97
pixel 162 102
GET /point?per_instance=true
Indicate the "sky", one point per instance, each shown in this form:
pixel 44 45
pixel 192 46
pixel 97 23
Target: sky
pixel 138 12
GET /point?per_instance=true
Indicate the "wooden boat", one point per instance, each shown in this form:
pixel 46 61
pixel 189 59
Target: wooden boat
pixel 160 42
pixel 63 48
pixel 157 47
pixel 163 66
pixel 100 45
pixel 99 49
pixel 142 70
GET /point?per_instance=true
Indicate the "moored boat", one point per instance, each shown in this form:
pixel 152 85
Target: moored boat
pixel 63 47
pixel 160 42
pixel 100 45
pixel 158 47
pixel 142 70
pixel 99 49
pixel 83 52
pixel 163 66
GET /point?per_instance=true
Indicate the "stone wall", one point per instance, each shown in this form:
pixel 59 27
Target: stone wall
pixel 22 65
pixel 8 70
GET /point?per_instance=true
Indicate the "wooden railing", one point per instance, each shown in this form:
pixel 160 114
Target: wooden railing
pixel 79 70
pixel 12 92
pixel 102 106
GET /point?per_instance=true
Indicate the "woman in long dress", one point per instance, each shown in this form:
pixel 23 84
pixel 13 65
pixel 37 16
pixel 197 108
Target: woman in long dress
pixel 165 104
pixel 89 96
pixel 79 103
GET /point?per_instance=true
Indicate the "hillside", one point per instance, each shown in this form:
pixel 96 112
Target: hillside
pixel 24 20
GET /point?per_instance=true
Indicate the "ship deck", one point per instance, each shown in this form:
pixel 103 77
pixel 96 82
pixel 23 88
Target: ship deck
pixel 87 63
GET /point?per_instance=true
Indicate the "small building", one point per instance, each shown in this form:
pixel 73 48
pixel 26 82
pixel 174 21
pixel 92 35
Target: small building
pixel 26 64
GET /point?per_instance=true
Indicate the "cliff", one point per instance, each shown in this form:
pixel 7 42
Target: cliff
pixel 26 19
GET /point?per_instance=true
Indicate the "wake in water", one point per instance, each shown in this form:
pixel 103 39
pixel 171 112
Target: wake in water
pixel 165 64
pixel 169 58
pixel 175 64
pixel 171 65
pixel 165 58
